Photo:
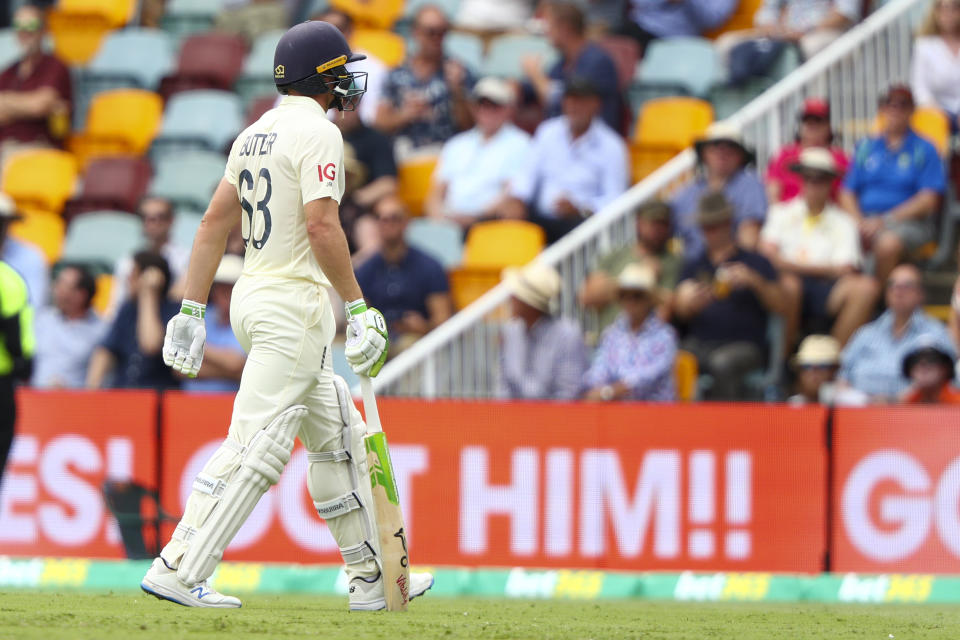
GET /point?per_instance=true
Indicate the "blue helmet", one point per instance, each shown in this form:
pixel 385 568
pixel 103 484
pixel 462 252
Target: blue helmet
pixel 311 59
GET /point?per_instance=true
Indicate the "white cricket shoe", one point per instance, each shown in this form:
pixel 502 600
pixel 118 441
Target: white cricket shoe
pixel 367 594
pixel 161 581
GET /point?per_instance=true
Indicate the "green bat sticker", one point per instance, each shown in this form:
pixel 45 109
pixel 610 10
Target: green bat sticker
pixel 381 473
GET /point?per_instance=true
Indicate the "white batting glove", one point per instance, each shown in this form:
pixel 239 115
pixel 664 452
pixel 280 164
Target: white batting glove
pixel 367 341
pixel 186 335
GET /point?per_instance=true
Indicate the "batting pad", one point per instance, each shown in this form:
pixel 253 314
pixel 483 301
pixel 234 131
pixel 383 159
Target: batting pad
pixel 260 465
pixel 337 481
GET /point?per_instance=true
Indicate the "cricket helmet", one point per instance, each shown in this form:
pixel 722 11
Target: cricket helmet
pixel 311 58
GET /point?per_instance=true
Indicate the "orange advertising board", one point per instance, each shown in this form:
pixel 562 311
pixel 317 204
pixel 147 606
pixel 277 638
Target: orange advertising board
pixel 622 487
pixel 896 493
pixel 66 445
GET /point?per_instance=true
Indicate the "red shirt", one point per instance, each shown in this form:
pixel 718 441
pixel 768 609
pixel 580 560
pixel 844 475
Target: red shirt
pixel 779 171
pixel 49 72
pixel 947 395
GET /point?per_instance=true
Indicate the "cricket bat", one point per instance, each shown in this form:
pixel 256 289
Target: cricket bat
pixel 394 561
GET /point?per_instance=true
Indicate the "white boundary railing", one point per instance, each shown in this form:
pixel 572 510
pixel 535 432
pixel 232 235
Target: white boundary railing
pixel 460 358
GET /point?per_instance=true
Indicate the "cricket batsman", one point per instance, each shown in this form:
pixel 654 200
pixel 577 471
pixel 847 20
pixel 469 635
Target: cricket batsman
pixel 283 183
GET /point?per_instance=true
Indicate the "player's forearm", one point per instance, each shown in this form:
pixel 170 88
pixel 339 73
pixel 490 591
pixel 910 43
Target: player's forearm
pixel 329 245
pixel 211 241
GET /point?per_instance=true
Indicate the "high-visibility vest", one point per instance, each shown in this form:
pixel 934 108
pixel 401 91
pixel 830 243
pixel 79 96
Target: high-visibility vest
pixel 14 306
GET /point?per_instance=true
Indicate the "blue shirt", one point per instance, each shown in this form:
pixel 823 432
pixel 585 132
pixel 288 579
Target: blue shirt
pixel 64 347
pixel 665 18
pixel 546 361
pixel 744 191
pixel 883 178
pixel 872 362
pixel 29 262
pixel 643 360
pixel 594 63
pixel 476 170
pixel 218 335
pixel 590 171
pixel 134 369
pixel 738 317
pixel 404 286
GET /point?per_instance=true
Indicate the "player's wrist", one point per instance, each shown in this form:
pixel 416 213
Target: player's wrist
pixel 356 308
pixel 193 309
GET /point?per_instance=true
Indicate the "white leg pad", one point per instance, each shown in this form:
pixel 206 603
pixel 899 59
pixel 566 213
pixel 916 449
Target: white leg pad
pixel 260 464
pixel 339 485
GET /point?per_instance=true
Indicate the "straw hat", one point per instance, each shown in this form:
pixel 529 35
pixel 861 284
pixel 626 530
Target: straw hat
pixel 229 271
pixel 496 90
pixel 723 132
pixel 535 284
pixel 818 350
pixel 816 159
pixel 637 276
pixel 714 208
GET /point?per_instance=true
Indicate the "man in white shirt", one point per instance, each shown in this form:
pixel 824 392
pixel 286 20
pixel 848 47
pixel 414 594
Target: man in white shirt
pixel 471 179
pixel 816 248
pixel 576 165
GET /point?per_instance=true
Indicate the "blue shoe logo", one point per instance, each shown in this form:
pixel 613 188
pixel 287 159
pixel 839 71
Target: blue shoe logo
pixel 200 592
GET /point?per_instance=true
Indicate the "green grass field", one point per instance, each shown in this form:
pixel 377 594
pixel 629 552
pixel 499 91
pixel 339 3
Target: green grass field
pixel 27 615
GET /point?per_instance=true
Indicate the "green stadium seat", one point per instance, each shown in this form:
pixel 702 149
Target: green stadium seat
pixel 256 79
pixel 441 239
pixel 677 66
pixel 102 237
pixel 205 119
pixel 506 53
pixel 188 179
pixel 465 48
pixel 183 18
pixel 9 49
pixel 185 226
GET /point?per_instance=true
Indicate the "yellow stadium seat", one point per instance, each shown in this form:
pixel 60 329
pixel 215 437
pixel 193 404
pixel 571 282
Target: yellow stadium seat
pixel 939 311
pixel 379 14
pixel 928 122
pixel 101 299
pixel 413 182
pixel 389 47
pixel 42 229
pixel 665 127
pixel 685 372
pixel 77 35
pixel 119 122
pixel 490 247
pixel 40 179
pixel 742 18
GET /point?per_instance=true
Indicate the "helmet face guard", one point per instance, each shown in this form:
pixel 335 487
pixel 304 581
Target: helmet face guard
pixel 346 86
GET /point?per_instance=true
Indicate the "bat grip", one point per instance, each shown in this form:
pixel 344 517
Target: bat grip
pixel 370 405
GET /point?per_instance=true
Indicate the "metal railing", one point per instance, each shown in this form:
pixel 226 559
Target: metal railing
pixel 460 358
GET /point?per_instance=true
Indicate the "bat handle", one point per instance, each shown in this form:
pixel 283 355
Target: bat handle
pixel 370 405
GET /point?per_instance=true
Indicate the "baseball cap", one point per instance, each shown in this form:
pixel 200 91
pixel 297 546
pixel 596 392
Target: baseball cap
pixel 580 86
pixel 496 90
pixel 815 108
pixel 900 91
pixel 656 210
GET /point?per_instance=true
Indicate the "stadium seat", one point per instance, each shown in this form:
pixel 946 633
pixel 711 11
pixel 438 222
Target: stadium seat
pixel 685 371
pixel 131 58
pixel 77 36
pixel 102 237
pixel 665 127
pixel 377 14
pixel 625 53
pixel 117 12
pixel 188 179
pixel 119 122
pixel 932 124
pixel 442 239
pixel 742 18
pixel 260 106
pixel 9 48
pixel 117 183
pixel 207 61
pixel 413 182
pixel 43 230
pixel 101 299
pixel 465 48
pixel 182 18
pixel 677 66
pixel 205 118
pixel 449 7
pixel 389 47
pixel 257 77
pixel 506 52
pixel 185 226
pixel 490 247
pixel 40 179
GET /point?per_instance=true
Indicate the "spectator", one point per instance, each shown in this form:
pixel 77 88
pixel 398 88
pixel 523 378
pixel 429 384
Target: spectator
pixel 813 131
pixel 566 30
pixel 723 160
pixel 929 368
pixel 935 69
pixel 652 19
pixel 23 257
pixel 374 68
pixel 35 92
pixel 809 24
pixel 131 348
pixel 954 321
pixel 16 352
pixel 471 179
pixel 816 364
pixel 637 352
pixel 409 287
pixel 493 16
pixel 157 216
pixel 371 174
pixel 69 330
pixel 547 190
pixel 599 290
pixel 724 300
pixel 872 363
pixel 425 99
pixel 542 356
pixel 223 357
pixel 815 247
pixel 894 185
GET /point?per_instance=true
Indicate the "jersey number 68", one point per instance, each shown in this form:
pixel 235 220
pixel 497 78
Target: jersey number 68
pixel 246 181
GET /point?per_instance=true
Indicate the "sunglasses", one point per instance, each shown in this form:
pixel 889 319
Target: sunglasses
pixel 817 178
pixel 434 32
pixel 636 296
pixel 902 284
pixel 28 26
pixel 814 120
pixel 817 367
pixel 390 218
pixel 900 104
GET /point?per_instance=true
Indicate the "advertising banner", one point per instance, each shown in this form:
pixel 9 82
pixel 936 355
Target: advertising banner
pixel 67 444
pixel 896 493
pixel 585 486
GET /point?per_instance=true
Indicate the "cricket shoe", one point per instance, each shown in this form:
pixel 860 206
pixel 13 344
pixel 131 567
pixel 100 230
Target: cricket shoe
pixel 161 581
pixel 366 594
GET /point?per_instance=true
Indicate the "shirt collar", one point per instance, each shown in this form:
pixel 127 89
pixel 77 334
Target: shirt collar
pixel 623 323
pixel 587 135
pixel 306 101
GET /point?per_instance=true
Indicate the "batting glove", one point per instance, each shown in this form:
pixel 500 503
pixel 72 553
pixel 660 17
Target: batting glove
pixel 186 335
pixel 367 342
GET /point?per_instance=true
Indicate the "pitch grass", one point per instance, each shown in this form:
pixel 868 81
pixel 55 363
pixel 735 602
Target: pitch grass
pixel 27 615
